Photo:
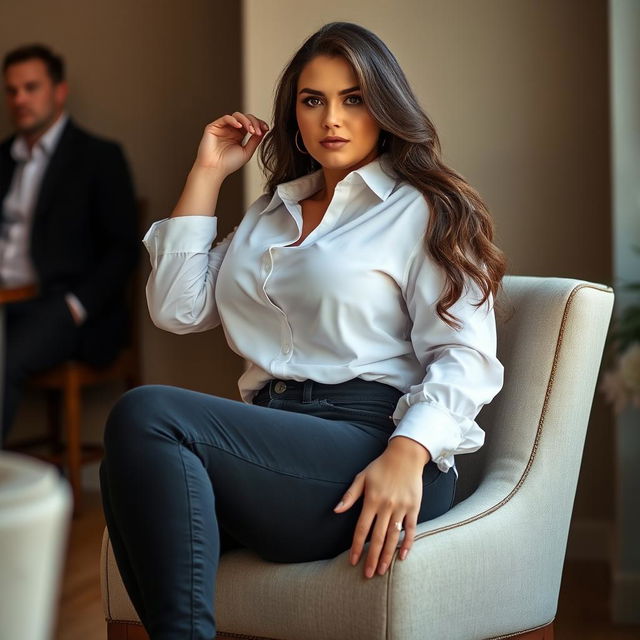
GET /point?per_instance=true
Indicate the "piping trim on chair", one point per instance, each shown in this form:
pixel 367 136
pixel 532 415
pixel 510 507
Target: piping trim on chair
pixel 525 473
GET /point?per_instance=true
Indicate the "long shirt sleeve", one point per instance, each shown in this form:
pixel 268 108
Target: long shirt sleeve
pixel 462 373
pixel 184 270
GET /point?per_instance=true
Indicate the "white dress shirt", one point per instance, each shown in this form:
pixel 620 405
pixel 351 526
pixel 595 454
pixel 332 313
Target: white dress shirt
pixel 355 299
pixel 18 209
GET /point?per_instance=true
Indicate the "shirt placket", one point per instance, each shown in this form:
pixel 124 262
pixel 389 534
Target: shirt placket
pixel 286 334
pixel 286 351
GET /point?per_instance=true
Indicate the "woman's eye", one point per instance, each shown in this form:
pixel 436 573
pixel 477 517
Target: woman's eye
pixel 358 100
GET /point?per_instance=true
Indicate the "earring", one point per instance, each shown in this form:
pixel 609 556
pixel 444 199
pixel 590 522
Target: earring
pixel 295 139
pixel 383 144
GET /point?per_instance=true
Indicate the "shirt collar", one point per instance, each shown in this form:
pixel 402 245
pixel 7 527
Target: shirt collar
pixel 378 175
pixel 47 143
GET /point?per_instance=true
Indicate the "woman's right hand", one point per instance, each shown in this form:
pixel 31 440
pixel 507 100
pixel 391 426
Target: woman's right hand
pixel 221 145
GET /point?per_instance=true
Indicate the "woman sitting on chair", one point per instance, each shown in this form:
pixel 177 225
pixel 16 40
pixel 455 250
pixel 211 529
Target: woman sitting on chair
pixel 359 287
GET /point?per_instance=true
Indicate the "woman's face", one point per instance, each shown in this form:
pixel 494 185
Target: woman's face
pixel 329 103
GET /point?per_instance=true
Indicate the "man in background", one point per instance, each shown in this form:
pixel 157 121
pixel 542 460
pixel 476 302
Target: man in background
pixel 67 226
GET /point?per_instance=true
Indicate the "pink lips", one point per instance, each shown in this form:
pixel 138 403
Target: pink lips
pixel 333 144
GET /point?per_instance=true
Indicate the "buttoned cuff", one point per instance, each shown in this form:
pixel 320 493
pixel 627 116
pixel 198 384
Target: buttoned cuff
pixel 433 427
pixel 184 234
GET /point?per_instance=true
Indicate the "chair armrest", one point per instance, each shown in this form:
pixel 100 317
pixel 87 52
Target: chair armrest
pixel 115 600
pixel 493 561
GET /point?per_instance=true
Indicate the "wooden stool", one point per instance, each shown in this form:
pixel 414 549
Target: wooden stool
pixel 66 382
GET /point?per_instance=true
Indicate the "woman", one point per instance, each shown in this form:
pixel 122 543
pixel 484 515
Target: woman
pixel 359 288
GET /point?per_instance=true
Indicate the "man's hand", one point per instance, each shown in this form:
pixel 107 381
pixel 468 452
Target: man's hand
pixel 392 487
pixel 75 309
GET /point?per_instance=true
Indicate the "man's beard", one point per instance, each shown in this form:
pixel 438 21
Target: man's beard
pixel 36 127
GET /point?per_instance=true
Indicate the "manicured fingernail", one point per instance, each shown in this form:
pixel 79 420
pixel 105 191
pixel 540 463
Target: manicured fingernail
pixel 339 505
pixel 265 127
pixel 354 559
pixel 403 554
pixel 382 568
pixel 369 572
pixel 252 129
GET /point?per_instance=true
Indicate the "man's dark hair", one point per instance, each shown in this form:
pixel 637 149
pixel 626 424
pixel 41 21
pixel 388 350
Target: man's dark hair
pixel 54 63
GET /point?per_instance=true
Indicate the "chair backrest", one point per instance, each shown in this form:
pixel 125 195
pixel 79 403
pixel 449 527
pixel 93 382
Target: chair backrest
pixel 135 284
pixel 551 334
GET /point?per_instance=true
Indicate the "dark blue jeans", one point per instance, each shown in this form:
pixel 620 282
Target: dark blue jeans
pixel 187 476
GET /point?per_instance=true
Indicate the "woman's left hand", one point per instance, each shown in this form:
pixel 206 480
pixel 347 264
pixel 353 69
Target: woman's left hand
pixel 392 487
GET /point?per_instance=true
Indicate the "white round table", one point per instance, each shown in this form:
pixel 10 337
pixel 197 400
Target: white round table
pixel 35 512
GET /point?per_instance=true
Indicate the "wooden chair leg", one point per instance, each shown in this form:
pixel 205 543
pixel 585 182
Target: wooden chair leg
pixel 132 631
pixel 53 420
pixel 72 419
pixel 125 631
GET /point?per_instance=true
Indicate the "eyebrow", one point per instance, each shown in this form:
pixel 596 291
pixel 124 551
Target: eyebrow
pixel 319 93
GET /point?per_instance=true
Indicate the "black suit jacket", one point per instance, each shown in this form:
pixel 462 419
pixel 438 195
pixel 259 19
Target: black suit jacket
pixel 84 236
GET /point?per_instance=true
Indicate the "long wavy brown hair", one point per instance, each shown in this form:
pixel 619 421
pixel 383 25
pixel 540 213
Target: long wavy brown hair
pixel 460 230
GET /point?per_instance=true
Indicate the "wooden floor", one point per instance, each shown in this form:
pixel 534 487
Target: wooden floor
pixel 583 610
pixel 80 615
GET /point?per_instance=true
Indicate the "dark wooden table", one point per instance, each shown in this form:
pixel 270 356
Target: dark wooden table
pixel 16 294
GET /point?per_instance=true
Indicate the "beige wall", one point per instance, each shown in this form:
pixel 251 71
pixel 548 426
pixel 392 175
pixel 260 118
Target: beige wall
pixel 517 90
pixel 150 75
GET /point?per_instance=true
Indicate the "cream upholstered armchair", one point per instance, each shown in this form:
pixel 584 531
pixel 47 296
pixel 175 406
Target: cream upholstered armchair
pixel 490 567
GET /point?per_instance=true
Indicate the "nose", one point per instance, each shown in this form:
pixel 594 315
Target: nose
pixel 19 98
pixel 332 116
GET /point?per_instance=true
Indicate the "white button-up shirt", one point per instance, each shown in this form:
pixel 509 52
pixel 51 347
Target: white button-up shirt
pixel 16 267
pixel 355 299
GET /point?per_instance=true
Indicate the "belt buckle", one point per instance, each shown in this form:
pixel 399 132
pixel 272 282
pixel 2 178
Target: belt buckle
pixel 280 387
